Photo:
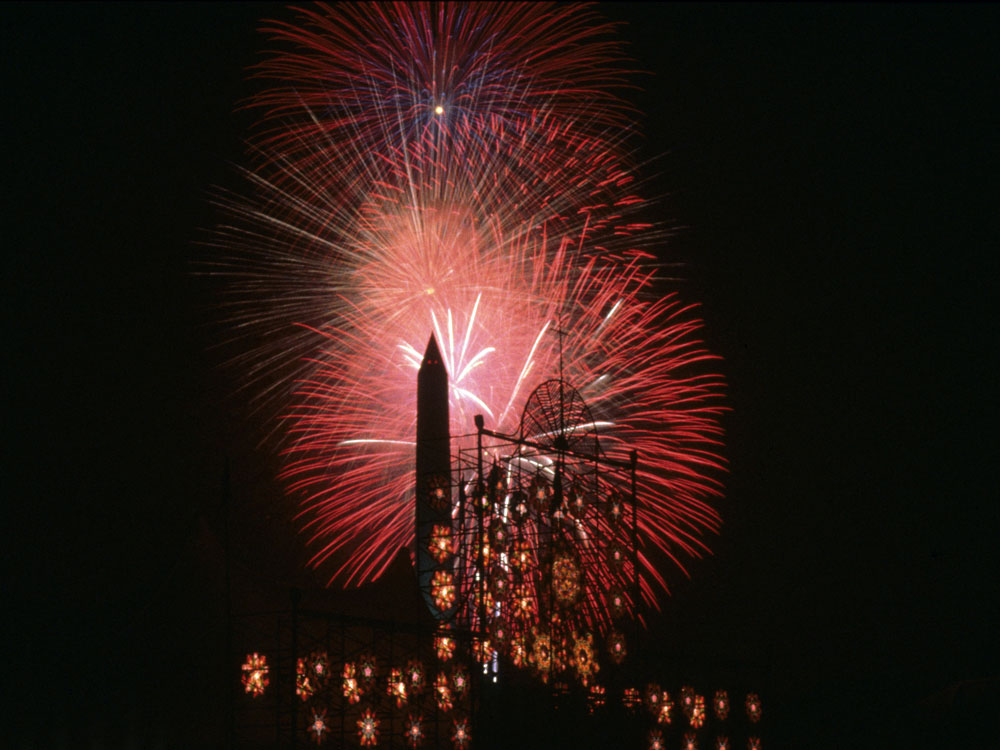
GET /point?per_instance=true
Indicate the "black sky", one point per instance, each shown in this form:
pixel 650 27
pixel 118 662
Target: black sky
pixel 831 174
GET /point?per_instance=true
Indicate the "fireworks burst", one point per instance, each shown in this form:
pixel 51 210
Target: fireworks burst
pixel 460 169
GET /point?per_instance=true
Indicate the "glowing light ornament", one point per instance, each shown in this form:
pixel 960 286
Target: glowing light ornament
pixel 460 736
pixel 565 580
pixel 595 698
pixel 350 684
pixel 616 603
pixel 697 717
pixel 690 741
pixel 540 656
pixel 616 647
pixel 304 687
pixel 415 676
pixel 318 727
pixel 665 716
pixel 396 687
pixel 753 707
pixel 519 651
pixel 443 590
pixel 687 701
pixel 722 743
pixel 255 674
pixel 368 728
pixel 654 698
pixel 720 704
pixel 444 647
pixel 656 740
pixel 459 681
pixel 366 672
pixel 631 699
pixel 414 731
pixel 583 657
pixel 440 543
pixel 442 692
pixel 310 674
pixel 753 743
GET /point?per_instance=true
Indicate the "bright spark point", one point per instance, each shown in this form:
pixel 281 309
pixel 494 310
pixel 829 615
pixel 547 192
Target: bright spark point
pixel 439 110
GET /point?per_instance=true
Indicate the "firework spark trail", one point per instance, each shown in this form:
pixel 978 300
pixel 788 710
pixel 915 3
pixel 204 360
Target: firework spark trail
pixel 461 170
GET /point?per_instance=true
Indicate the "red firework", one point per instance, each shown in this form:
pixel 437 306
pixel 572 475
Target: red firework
pixel 448 168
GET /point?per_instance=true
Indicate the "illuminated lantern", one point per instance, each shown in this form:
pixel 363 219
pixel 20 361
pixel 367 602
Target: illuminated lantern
pixel 631 699
pixel 615 507
pixel 722 743
pixel 368 728
pixel 304 685
pixel 443 590
pixel 519 505
pixel 616 647
pixel 583 657
pixel 442 692
pixel 690 742
pixel 521 557
pixel 687 701
pixel 539 493
pixel 753 707
pixel 519 652
pixel 654 697
pixel 366 672
pixel 697 717
pixel 396 687
pixel 459 681
pixel 616 556
pixel 525 606
pixel 616 602
pixel 595 698
pixel 656 740
pixel 414 731
pixel 541 654
pixel 415 676
pixel 720 703
pixel 753 743
pixel 444 647
pixel 438 494
pixel 440 543
pixel 565 580
pixel 255 674
pixel 460 736
pixel 666 712
pixel 352 688
pixel 318 727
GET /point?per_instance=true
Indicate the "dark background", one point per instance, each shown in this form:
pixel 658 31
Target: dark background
pixel 830 172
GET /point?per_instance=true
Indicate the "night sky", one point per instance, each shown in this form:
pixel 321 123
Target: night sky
pixel 830 175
